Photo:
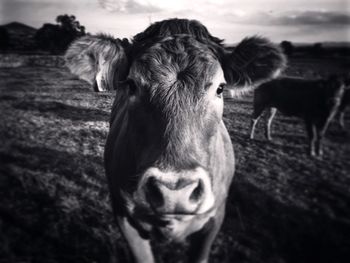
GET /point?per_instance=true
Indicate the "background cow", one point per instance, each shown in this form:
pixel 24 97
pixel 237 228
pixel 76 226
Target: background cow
pixel 168 157
pixel 315 101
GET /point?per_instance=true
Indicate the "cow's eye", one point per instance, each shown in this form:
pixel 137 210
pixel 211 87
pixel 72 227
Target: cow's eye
pixel 220 89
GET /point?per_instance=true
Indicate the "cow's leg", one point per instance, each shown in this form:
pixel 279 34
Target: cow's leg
pixel 320 134
pixel 269 122
pixel 255 118
pixel 140 248
pixel 319 142
pixel 201 242
pixel 252 125
pixel 312 134
pixel 321 131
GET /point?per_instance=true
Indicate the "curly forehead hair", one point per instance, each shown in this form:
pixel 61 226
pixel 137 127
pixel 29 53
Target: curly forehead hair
pixel 174 73
pixel 176 69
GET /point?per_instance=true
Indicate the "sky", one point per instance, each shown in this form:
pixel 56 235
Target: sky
pixel 294 20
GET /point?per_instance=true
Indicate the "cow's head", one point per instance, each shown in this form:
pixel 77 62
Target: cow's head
pixel 167 142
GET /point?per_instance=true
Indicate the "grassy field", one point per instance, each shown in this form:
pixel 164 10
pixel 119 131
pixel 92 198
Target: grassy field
pixel 283 207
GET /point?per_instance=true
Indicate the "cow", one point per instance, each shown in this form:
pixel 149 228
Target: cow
pixel 168 157
pixel 315 101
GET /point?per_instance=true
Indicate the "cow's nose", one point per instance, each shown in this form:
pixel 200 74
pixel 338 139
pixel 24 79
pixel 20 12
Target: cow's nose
pixel 186 193
pixel 182 196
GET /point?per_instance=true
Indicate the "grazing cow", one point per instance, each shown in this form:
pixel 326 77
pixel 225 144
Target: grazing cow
pixel 315 101
pixel 168 156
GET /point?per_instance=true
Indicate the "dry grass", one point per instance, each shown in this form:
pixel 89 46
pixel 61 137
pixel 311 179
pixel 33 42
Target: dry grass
pixel 284 206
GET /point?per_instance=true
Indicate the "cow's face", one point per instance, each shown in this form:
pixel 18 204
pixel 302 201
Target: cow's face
pixel 175 111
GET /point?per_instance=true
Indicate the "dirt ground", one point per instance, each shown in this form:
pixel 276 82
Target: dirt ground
pixel 284 206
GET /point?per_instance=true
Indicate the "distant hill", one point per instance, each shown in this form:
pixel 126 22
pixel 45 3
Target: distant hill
pixel 21 36
pixel 19 27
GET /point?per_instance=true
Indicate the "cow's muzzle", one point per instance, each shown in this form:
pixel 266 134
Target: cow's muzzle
pixel 177 193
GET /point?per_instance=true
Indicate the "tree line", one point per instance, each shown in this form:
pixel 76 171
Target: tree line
pixel 54 38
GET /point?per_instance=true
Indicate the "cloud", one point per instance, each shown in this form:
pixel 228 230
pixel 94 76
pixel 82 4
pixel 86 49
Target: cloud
pixel 129 6
pixel 293 18
pixel 315 18
pixel 165 6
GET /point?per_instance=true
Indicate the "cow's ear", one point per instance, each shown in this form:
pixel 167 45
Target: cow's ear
pixel 101 60
pixel 254 61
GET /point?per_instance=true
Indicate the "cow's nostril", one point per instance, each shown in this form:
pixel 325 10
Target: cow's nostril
pixel 197 192
pixel 153 193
